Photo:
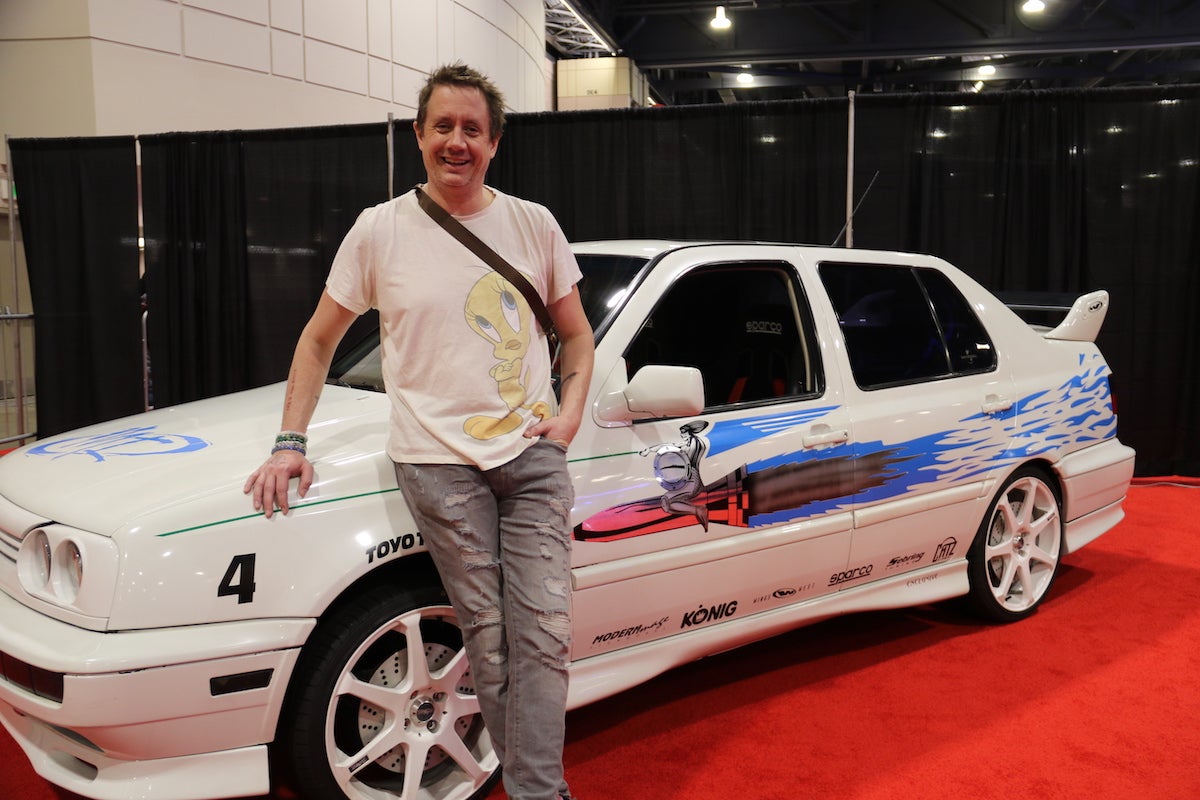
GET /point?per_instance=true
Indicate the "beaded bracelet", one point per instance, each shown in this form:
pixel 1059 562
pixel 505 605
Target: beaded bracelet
pixel 291 440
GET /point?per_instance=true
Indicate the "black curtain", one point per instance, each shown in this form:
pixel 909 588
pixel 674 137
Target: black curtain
pixel 304 190
pixel 241 227
pixel 1060 191
pixel 770 171
pixel 194 218
pixel 78 207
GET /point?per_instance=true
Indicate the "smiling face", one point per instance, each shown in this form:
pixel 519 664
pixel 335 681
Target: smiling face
pixel 457 146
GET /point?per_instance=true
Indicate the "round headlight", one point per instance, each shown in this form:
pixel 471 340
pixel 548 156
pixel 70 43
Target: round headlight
pixel 35 560
pixel 68 568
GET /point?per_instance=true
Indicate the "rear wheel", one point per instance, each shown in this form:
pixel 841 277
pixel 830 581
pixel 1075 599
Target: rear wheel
pixel 383 706
pixel 1014 558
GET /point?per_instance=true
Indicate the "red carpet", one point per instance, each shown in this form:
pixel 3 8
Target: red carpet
pixel 1097 696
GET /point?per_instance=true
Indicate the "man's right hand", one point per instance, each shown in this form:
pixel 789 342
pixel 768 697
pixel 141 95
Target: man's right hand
pixel 268 485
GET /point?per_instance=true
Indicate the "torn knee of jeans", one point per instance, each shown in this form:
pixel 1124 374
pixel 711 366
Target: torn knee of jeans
pixel 473 558
pixel 556 623
pixel 556 587
pixel 488 617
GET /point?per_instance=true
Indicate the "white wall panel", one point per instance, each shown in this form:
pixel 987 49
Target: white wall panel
pixel 44 19
pixel 379 78
pixel 476 42
pixel 340 22
pixel 379 28
pixel 406 85
pixel 250 63
pixel 337 67
pixel 287 54
pixel 250 10
pixel 287 15
pixel 416 28
pixel 225 40
pixel 154 24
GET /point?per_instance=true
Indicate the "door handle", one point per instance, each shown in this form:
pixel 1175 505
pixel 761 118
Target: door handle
pixel 996 404
pixel 823 435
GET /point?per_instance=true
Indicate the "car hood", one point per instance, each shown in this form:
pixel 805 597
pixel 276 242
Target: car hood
pixel 185 465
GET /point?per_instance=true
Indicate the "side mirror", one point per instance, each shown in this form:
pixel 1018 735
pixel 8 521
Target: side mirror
pixel 655 392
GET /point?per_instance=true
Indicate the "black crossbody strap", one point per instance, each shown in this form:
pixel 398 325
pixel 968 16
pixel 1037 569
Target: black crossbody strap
pixel 493 259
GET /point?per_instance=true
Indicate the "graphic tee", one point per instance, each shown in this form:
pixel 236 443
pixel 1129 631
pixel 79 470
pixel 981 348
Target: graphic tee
pixel 465 363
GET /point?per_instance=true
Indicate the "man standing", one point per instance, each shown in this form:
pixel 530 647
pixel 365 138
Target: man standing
pixel 480 452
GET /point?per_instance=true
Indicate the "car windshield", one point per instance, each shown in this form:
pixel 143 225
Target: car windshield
pixel 607 280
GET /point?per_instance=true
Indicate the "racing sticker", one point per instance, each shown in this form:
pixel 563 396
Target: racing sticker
pixel 139 441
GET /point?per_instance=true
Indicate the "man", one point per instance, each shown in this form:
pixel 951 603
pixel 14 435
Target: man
pixel 479 452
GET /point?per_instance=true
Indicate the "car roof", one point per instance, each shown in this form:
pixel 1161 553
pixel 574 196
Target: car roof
pixel 653 248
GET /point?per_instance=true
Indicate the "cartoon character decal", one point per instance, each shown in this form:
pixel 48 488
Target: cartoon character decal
pixel 677 469
pixel 497 312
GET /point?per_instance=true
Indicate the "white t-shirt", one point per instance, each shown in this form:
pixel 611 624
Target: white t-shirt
pixel 465 362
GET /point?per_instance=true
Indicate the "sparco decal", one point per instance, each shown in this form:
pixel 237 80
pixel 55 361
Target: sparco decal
pixel 904 561
pixel 397 544
pixel 633 630
pixel 851 574
pixel 945 550
pixel 710 614
pixel 764 326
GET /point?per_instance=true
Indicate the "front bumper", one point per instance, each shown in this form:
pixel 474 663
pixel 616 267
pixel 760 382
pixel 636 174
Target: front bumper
pixel 171 714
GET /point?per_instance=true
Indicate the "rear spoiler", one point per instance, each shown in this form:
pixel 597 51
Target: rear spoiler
pixel 1084 319
pixel 1084 314
pixel 1081 323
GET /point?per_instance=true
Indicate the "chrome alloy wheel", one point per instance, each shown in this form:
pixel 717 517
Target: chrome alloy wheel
pixel 1023 544
pixel 410 697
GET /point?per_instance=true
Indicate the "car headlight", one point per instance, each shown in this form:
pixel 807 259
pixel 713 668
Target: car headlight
pixel 36 565
pixel 69 568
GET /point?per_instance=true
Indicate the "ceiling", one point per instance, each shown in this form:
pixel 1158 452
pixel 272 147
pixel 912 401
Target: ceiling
pixel 825 48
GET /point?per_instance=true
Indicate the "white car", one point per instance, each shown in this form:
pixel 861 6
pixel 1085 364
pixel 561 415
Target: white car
pixel 777 434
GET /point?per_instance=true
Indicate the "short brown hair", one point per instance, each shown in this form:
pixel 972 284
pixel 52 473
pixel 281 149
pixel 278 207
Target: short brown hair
pixel 459 74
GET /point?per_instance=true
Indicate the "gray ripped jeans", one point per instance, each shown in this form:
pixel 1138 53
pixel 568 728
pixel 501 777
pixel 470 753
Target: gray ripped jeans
pixel 501 541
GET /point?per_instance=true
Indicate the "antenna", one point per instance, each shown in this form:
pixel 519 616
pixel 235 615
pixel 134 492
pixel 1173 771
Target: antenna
pixel 842 232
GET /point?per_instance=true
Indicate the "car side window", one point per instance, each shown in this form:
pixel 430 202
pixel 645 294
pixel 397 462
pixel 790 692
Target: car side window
pixel 745 326
pixel 904 325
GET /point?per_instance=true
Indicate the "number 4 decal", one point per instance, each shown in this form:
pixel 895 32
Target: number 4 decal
pixel 241 568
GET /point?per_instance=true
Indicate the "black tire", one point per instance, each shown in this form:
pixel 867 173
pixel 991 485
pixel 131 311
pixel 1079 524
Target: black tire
pixel 360 706
pixel 1015 555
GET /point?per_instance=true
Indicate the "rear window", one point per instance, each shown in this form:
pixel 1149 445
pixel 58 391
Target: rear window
pixel 905 325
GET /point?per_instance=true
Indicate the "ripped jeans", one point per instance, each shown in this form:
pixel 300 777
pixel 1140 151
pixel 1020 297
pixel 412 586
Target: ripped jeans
pixel 501 541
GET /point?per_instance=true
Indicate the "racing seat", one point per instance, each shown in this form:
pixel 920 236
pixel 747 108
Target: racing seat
pixel 763 354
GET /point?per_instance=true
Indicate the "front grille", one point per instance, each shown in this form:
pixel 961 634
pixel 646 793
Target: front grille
pixel 9 544
pixel 41 682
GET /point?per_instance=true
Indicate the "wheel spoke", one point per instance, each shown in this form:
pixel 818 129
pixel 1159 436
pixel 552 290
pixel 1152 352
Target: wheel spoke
pixel 344 769
pixel 457 749
pixel 1041 556
pixel 418 667
pixel 1025 578
pixel 1004 588
pixel 389 699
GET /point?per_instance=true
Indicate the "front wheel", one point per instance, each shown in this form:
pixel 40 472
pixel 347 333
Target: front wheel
pixel 1014 557
pixel 383 706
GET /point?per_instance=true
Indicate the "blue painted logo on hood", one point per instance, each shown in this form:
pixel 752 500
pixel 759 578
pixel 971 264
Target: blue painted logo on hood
pixel 141 441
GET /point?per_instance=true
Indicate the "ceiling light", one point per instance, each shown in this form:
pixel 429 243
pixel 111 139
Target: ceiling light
pixel 987 70
pixel 1033 6
pixel 745 77
pixel 719 20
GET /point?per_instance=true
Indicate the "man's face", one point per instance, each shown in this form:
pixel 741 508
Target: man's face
pixel 456 142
